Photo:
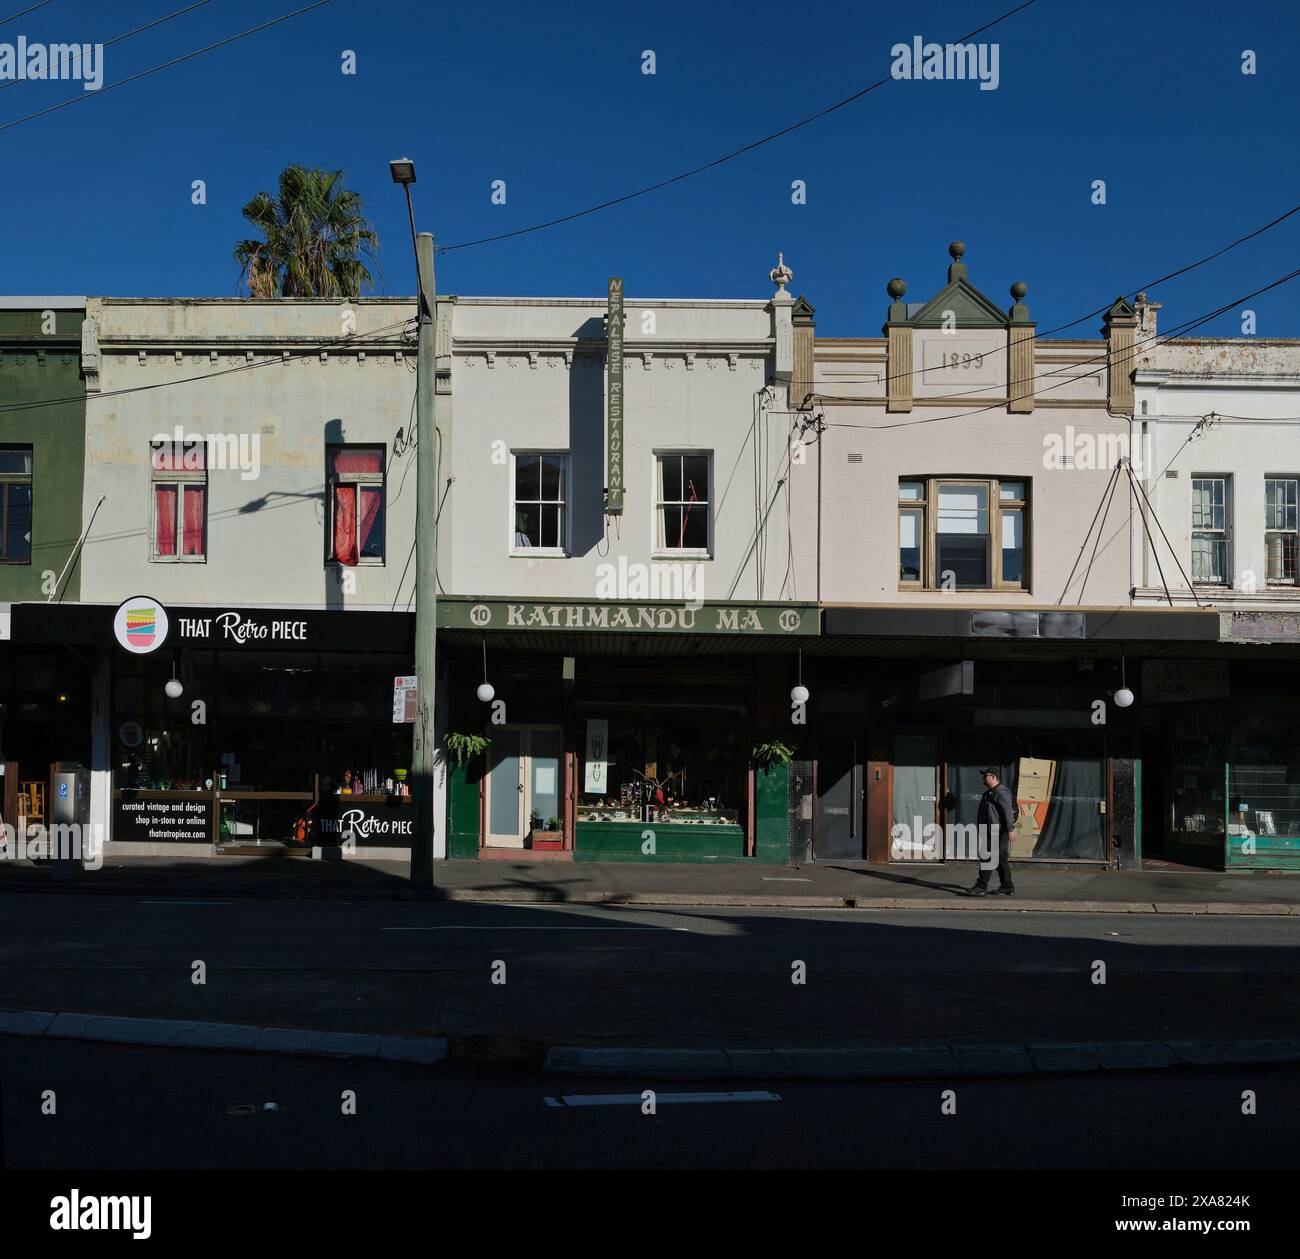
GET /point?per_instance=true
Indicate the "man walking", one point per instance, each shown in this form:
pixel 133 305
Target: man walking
pixel 996 817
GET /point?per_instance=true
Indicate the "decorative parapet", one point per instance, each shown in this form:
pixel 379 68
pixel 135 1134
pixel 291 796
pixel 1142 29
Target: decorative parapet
pixel 1020 353
pixel 898 350
pixel 1119 327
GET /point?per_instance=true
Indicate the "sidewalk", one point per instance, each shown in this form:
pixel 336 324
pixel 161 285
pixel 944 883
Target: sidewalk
pixel 834 885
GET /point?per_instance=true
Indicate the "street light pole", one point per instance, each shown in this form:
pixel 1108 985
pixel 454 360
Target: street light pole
pixel 426 549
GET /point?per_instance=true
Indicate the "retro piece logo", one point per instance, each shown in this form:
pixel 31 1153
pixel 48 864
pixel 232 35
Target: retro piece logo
pixel 140 625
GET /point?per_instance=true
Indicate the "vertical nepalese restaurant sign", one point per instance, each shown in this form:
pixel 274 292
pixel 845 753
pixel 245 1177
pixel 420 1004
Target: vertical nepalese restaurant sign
pixel 614 398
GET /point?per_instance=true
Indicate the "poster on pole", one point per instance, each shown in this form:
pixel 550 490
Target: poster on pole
pixel 614 398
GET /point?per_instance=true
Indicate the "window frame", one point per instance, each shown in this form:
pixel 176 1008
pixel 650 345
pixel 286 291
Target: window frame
pixel 998 507
pixel 1225 581
pixel 564 549
pixel 661 552
pixel 358 479
pixel 181 478
pixel 17 478
pixel 1286 583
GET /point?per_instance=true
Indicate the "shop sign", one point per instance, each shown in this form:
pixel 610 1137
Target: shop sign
pixel 404 698
pixel 159 821
pixel 776 620
pixel 373 824
pixel 1169 681
pixel 614 398
pixel 140 625
pixel 278 629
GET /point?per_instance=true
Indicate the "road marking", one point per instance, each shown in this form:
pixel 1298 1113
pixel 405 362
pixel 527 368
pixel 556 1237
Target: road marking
pixel 183 902
pixel 636 1099
pixel 535 927
pixel 768 878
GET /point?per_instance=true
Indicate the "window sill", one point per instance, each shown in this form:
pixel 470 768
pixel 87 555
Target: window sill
pixel 539 553
pixel 681 555
pixel 178 559
pixel 368 563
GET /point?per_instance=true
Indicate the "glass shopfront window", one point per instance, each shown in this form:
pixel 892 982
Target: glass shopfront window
pixel 1264 775
pixel 664 764
pixel 299 725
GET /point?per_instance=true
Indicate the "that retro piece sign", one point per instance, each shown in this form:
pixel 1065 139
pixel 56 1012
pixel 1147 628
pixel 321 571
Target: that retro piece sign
pixel 142 625
pixel 778 620
pixel 614 482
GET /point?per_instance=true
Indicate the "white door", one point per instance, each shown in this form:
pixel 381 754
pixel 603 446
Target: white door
pixel 523 783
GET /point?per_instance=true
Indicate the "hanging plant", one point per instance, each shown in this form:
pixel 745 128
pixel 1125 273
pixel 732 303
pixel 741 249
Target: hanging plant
pixel 465 747
pixel 772 752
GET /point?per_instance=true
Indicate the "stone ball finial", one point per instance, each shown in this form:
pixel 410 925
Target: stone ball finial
pixel 897 288
pixel 1019 289
pixel 957 249
pixel 1141 299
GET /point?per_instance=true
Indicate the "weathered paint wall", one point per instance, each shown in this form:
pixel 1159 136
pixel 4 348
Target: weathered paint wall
pixel 349 376
pixel 40 363
pixel 1252 387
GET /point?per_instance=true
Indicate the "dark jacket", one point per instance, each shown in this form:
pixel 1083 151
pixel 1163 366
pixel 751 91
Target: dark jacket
pixel 998 807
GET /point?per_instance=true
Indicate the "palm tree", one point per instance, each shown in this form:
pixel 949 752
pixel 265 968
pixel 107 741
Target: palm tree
pixel 316 239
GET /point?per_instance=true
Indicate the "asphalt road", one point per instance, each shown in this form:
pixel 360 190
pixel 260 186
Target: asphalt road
pixel 121 1107
pixel 583 974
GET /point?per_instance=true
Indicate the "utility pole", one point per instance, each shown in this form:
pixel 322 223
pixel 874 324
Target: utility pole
pixel 426 572
pixel 426 548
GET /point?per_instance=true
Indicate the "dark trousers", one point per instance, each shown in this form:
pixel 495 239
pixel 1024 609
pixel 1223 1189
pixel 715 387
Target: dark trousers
pixel 1004 863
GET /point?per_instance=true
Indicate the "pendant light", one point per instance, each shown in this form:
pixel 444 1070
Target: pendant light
pixel 799 692
pixel 486 690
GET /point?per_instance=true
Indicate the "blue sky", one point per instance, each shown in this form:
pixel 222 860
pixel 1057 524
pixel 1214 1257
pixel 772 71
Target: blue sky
pixel 551 98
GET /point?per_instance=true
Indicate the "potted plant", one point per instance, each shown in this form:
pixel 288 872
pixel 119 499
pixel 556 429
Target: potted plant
pixel 545 836
pixel 771 753
pixel 465 746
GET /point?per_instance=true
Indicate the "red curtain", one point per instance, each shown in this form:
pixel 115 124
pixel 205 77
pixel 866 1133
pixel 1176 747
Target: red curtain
pixel 195 518
pixel 357 461
pixel 372 498
pixel 345 524
pixel 165 513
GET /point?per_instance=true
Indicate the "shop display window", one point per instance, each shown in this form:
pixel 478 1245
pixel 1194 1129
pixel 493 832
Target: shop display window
pixel 1264 776
pixel 664 765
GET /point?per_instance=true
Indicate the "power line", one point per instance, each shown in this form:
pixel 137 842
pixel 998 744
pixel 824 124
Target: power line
pixel 175 61
pixel 719 161
pixel 1092 314
pixel 13 17
pixel 116 38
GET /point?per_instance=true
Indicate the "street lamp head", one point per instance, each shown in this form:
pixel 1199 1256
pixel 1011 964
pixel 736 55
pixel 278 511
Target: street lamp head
pixel 403 170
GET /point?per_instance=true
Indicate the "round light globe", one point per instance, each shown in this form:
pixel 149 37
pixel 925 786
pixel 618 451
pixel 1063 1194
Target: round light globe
pixel 486 692
pixel 799 694
pixel 174 688
pixel 1123 697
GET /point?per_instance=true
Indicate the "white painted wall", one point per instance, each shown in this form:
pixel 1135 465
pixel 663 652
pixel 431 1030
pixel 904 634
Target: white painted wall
pixel 1180 383
pixel 529 374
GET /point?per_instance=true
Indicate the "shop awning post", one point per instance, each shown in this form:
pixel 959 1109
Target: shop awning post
pixel 426 576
